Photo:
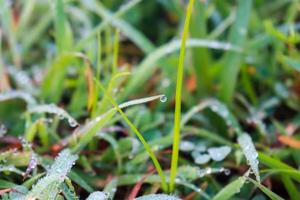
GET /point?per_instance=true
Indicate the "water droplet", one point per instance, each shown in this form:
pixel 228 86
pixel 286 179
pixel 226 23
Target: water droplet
pixel 53 109
pixel 186 146
pixel 166 82
pixel 201 158
pixel 219 153
pixel 200 147
pixel 163 98
pixel 3 130
pixel 72 123
pixel 227 172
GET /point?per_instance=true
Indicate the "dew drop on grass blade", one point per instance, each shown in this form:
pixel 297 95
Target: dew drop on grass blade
pixel 186 146
pixel 16 94
pixel 200 159
pixel 219 153
pixel 53 109
pixel 3 130
pixel 250 153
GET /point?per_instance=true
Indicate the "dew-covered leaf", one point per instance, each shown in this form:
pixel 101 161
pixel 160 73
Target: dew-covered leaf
pixel 250 153
pixel 10 168
pixel 16 94
pixel 53 109
pixel 47 187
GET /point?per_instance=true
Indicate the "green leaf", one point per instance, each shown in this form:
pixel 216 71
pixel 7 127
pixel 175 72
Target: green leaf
pixel 60 26
pixel 265 190
pixel 248 148
pixel 177 112
pixel 231 189
pixel 232 60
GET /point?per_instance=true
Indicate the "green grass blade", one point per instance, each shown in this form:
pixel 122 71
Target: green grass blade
pixel 177 114
pixel 80 181
pixel 116 51
pixel 231 189
pixel 232 60
pixel 290 187
pixel 140 136
pixel 201 56
pixel 60 24
pixel 265 190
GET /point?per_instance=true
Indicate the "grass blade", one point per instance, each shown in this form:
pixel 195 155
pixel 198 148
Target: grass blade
pixel 177 114
pixel 140 136
pixel 231 189
pixel 232 60
pixel 265 190
pixel 250 153
pixel 60 31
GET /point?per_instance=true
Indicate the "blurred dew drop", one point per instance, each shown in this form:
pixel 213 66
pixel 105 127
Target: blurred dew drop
pixel 219 153
pixel 163 98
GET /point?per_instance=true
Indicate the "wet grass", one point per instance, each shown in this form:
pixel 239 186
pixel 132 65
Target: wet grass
pixel 194 99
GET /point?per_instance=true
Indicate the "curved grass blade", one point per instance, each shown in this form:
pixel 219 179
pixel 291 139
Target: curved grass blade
pixel 16 94
pixel 140 136
pixel 53 109
pixel 87 132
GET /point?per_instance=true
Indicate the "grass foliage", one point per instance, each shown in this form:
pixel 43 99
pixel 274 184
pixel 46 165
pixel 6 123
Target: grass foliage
pixel 155 99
